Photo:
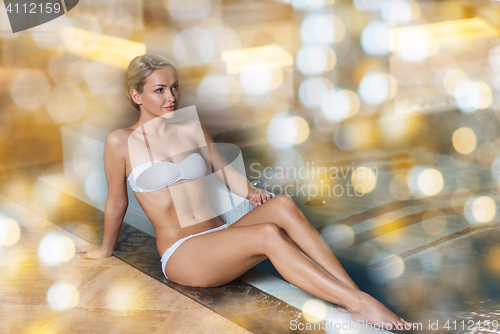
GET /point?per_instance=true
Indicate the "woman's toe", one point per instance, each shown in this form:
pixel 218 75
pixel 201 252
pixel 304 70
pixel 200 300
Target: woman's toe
pixel 342 309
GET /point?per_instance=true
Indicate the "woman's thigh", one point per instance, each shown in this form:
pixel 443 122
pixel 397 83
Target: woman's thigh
pixel 277 210
pixel 215 258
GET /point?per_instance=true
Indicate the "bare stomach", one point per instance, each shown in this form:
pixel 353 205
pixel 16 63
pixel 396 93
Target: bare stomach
pixel 167 236
pixel 178 212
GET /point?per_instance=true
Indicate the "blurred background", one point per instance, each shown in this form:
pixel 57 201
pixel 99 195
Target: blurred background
pixel 389 107
pixel 342 68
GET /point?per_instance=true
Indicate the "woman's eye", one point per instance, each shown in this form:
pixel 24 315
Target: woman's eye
pixel 175 87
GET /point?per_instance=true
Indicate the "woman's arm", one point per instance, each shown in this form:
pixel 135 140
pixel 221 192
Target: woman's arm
pixel 234 180
pixel 117 199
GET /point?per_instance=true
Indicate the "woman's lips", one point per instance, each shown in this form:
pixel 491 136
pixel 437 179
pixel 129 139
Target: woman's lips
pixel 170 108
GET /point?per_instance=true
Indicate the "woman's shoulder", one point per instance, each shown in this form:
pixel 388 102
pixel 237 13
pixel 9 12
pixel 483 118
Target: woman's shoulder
pixel 118 136
pixel 117 140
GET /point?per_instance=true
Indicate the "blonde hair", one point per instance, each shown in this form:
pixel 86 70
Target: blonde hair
pixel 140 68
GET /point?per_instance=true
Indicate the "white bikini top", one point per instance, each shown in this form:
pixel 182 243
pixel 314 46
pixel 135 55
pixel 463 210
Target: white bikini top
pixel 161 174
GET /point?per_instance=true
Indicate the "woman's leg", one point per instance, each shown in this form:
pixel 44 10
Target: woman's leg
pixel 213 259
pixel 283 211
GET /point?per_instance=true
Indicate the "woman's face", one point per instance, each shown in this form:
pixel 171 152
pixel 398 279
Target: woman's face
pixel 160 95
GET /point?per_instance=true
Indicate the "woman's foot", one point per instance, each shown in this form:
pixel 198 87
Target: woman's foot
pixel 370 311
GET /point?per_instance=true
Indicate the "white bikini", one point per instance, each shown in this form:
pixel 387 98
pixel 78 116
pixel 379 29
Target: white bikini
pixel 158 175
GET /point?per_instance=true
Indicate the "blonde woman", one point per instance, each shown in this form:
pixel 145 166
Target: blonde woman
pixel 207 252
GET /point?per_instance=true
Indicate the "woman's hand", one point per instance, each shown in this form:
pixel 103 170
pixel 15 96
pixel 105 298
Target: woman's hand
pixel 90 252
pixel 259 197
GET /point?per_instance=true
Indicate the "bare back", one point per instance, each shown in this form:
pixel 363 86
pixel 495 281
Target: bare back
pixel 185 201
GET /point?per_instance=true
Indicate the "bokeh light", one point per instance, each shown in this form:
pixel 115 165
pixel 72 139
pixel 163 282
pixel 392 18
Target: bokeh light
pixel 319 28
pixel 430 181
pixel 237 59
pixel 376 87
pixel 464 140
pixel 275 131
pixel 194 45
pixel 399 187
pixel 338 105
pixel 338 236
pixel 369 5
pixel 415 45
pixel 311 4
pixel 375 38
pixel 495 170
pixel 125 296
pixel 400 11
pixel 313 60
pixel 314 310
pixel 65 68
pixel 218 92
pixel 363 180
pixel 312 91
pixel 104 79
pixel 96 187
pixel 50 34
pixel 62 296
pixel 472 95
pixel 486 154
pixel 434 222
pixel 191 10
pixel 412 179
pixel 55 248
pixel 10 231
pixel 257 78
pixel 394 268
pixel 295 130
pixel 30 89
pixel 451 79
pixel 480 209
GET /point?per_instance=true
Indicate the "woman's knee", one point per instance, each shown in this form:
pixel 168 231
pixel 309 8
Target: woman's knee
pixel 287 208
pixel 271 236
pixel 285 201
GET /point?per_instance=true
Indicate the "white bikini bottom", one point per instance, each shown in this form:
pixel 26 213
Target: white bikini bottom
pixel 168 253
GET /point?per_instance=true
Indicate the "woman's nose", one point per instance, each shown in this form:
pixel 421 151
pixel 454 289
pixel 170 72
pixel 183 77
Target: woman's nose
pixel 170 96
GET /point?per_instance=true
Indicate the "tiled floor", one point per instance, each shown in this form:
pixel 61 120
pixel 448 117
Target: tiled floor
pixel 113 297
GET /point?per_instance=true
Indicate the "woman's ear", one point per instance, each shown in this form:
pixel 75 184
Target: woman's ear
pixel 135 96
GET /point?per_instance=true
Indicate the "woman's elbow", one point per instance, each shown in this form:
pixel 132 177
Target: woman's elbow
pixel 117 204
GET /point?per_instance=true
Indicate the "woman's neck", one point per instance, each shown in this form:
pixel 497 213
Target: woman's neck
pixel 155 124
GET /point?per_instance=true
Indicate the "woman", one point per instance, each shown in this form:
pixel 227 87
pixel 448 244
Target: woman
pixel 206 252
